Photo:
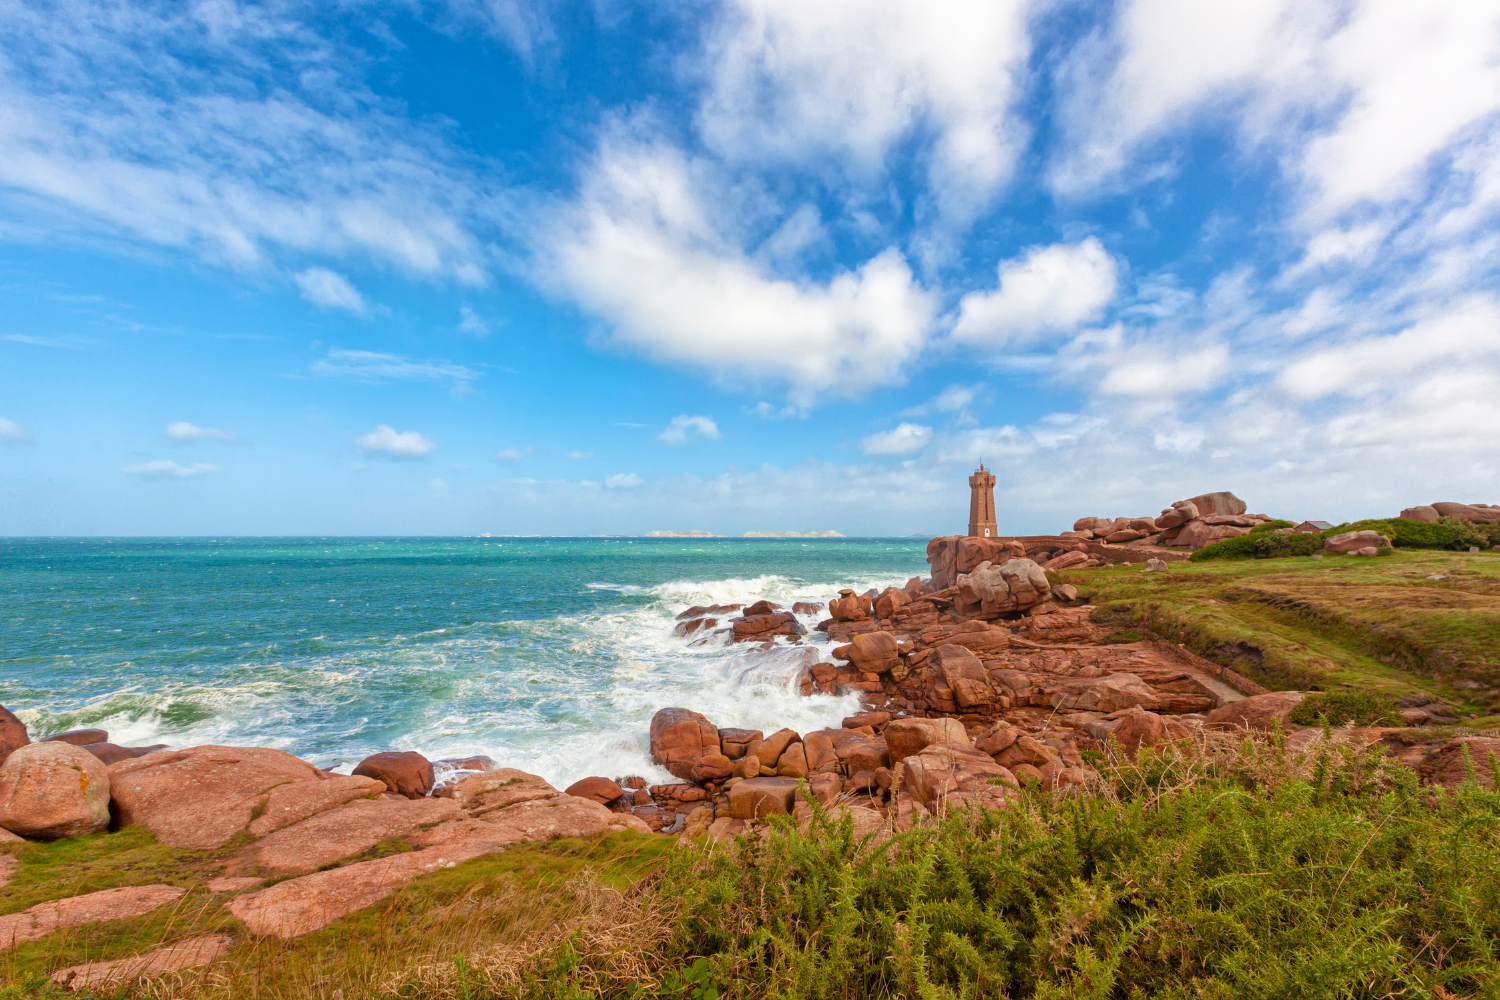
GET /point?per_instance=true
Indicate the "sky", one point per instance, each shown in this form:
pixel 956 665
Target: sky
pixel 604 267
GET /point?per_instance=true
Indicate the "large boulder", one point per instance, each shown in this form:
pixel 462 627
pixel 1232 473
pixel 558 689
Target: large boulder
pixel 1011 586
pixel 1139 729
pixel 405 772
pixel 871 652
pixel 972 551
pixel 850 607
pixel 112 753
pixel 1217 503
pixel 906 737
pixel 946 775
pixel 12 733
pixel 1260 712
pixel 338 833
pixel 1353 541
pixel 1196 534
pixel 291 803
pixel 889 600
pixel 757 798
pixel 1469 512
pixel 1422 513
pixel 52 790
pixel 679 738
pixel 769 750
pixel 200 797
pixel 79 737
pixel 966 676
pixel 596 789
pixel 1106 694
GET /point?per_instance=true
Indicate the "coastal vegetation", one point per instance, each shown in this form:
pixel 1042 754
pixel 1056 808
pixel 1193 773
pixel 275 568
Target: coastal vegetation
pixel 1216 867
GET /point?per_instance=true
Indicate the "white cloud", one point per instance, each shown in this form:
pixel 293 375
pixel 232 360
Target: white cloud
pixel 901 440
pixel 814 84
pixel 330 290
pixel 472 323
pixel 622 481
pixel 163 469
pixel 643 250
pixel 1049 289
pixel 510 454
pixel 256 139
pixel 13 433
pixel 371 366
pixel 684 428
pixel 181 430
pixel 385 442
pixel 579 455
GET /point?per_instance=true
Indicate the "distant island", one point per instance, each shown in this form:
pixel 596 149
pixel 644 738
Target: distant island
pixel 680 534
pixel 791 534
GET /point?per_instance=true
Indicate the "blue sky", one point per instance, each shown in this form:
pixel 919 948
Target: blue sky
pixel 604 267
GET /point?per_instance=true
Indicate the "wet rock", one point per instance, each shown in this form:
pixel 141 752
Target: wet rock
pixel 793 762
pixel 202 796
pixel 907 737
pixel 478 762
pixel 1259 712
pixel 91 908
pixel 294 802
pixel 757 798
pixel 13 733
pixel 806 608
pixel 679 738
pixel 189 954
pixel 872 719
pixel 349 829
pixel 79 737
pixel 769 750
pixel 850 607
pixel 600 790
pixel 759 627
pixel 405 772
pixel 111 753
pixel 735 743
pixel 52 790
pixel 762 608
pixel 872 652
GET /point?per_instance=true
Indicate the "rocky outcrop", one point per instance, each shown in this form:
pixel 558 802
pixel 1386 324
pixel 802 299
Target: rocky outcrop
pixel 340 832
pixel 1260 712
pixel 404 772
pixel 297 800
pixel 1356 543
pixel 200 797
pixel 991 590
pixel 79 737
pixel 907 737
pixel 757 798
pixel 52 790
pixel 1477 513
pixel 947 776
pixel 189 954
pixel 107 904
pixel 13 733
pixel 682 740
pixel 111 753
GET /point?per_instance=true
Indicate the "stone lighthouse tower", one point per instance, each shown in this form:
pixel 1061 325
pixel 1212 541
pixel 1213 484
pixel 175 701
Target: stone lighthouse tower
pixel 982 504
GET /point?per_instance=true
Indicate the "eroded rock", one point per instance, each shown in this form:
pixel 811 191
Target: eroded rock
pixel 107 904
pixel 52 790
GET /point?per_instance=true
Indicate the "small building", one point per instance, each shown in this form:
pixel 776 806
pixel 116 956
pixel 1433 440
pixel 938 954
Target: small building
pixel 982 504
pixel 1311 527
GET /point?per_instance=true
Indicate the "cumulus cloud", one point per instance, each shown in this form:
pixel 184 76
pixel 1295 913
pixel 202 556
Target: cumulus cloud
pixel 13 433
pixel 1047 290
pixel 163 469
pixel 330 290
pixel 372 366
pixel 181 430
pixel 644 250
pixel 622 481
pixel 386 442
pixel 684 428
pixel 817 83
pixel 901 440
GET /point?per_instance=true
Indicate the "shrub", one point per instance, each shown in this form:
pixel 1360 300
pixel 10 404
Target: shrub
pixel 1363 708
pixel 1263 545
pixel 1445 533
pixel 1260 529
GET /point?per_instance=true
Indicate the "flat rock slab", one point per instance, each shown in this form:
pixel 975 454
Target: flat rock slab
pixel 189 954
pixel 202 796
pixel 563 816
pixel 302 905
pixel 232 884
pixel 349 829
pixel 287 804
pixel 107 904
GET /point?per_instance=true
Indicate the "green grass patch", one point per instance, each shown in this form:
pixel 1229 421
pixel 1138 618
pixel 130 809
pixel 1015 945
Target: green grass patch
pixel 1337 708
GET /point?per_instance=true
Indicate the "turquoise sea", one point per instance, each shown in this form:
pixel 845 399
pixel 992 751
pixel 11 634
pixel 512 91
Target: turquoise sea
pixel 548 654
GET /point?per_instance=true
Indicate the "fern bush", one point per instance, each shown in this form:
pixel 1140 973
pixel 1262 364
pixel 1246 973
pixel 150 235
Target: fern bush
pixel 1214 869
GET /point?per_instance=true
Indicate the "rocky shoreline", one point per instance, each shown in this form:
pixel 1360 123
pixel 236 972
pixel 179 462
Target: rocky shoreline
pixel 974 683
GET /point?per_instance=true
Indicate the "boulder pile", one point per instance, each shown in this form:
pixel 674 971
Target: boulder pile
pixel 1189 524
pixel 1477 513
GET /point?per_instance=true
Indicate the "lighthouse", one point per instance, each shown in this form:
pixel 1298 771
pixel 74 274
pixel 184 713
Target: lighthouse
pixel 982 504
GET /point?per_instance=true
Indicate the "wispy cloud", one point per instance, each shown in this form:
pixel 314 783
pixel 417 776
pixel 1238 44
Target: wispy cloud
pixel 901 440
pixel 400 446
pixel 371 366
pixel 684 429
pixel 164 469
pixel 13 433
pixel 330 290
pixel 510 454
pixel 472 323
pixel 577 455
pixel 183 431
pixel 622 481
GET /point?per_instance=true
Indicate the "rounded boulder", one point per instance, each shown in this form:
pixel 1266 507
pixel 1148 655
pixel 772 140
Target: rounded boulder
pixel 405 772
pixel 52 790
pixel 13 733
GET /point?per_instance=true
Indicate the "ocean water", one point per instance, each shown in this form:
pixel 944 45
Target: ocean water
pixel 547 654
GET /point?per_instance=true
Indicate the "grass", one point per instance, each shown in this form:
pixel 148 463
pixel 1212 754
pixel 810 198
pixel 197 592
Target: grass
pixel 1340 622
pixel 1216 868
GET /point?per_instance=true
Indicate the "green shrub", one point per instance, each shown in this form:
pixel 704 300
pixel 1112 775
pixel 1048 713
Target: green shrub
pixel 1260 529
pixel 1363 708
pixel 1263 545
pixel 1445 533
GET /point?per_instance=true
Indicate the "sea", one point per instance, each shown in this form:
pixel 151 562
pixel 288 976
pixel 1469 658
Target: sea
pixel 545 654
